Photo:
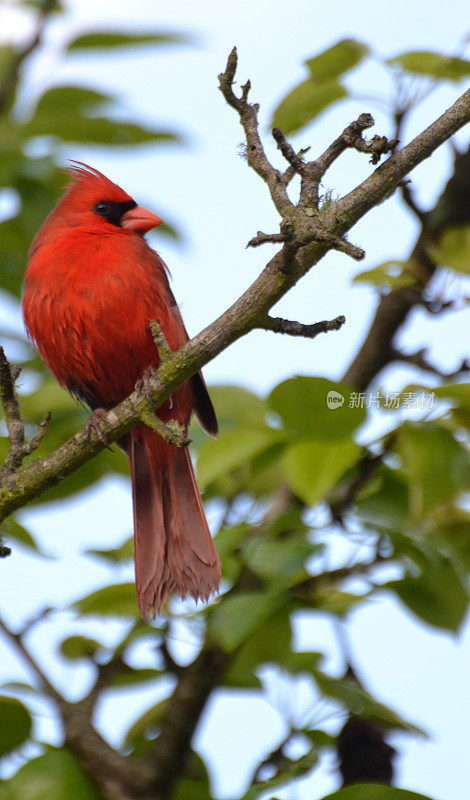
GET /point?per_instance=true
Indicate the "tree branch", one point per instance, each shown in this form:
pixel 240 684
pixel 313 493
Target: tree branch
pixel 279 325
pixel 294 260
pixel 18 448
pixel 10 80
pixel 256 155
pixel 452 208
pixel 418 359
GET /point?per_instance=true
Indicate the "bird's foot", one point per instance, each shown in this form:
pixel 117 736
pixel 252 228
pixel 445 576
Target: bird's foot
pixel 147 383
pixel 93 424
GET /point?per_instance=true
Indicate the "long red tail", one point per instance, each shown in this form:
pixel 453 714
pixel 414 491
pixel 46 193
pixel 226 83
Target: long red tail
pixel 173 547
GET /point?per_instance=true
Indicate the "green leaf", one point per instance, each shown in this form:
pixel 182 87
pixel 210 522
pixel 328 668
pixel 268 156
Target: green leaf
pixel 19 686
pixel 106 39
pixel 146 726
pixel 233 449
pixel 197 786
pixel 339 58
pixel 67 100
pixel 237 616
pixel 388 505
pixel 77 647
pixel 7 54
pixel 437 596
pixel 302 662
pixel 336 601
pixel 235 407
pixel 12 529
pixel 53 776
pixel 460 392
pixel 55 5
pixel 306 407
pixel 455 533
pixel 320 738
pixel 306 102
pixel 129 676
pixel 270 643
pixel 290 770
pixel 422 446
pixel 63 111
pixel 389 274
pixel 278 553
pixel 116 555
pixel 434 65
pixel 312 468
pixel 361 702
pixel 16 724
pixel 453 248
pixel 111 601
pixel 191 788
pixel 372 791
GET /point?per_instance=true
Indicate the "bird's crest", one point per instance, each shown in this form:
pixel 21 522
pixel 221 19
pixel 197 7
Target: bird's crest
pixel 88 181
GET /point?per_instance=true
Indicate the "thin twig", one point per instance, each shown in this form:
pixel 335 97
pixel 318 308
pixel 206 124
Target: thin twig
pixel 256 155
pixel 292 328
pixel 286 235
pixel 10 80
pixel 18 448
pixel 418 359
pixel 288 151
pixel 17 641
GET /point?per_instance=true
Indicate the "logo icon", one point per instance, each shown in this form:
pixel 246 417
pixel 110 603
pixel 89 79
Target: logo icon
pixel 334 400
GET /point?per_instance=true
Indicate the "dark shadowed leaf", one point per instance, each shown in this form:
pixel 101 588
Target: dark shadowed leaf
pixel 129 676
pixel 436 465
pixel 146 726
pixel 434 65
pixel 269 643
pixel 455 533
pixel 15 726
pixel 105 39
pixel 111 601
pixel 77 647
pixel 55 775
pixel 387 506
pixel 438 596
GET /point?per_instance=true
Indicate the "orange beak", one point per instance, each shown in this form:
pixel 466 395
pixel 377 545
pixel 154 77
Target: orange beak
pixel 140 220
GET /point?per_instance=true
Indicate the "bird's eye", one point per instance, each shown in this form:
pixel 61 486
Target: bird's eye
pixel 102 208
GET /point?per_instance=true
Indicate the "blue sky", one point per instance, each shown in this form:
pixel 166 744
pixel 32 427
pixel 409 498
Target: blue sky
pixel 207 190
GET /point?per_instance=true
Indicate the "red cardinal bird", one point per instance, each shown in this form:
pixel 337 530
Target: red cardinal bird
pixel 92 287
